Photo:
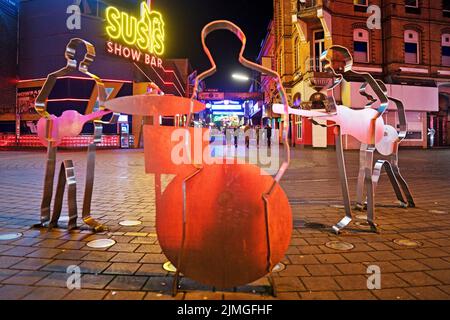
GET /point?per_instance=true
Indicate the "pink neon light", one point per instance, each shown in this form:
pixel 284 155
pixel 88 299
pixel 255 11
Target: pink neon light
pixel 77 78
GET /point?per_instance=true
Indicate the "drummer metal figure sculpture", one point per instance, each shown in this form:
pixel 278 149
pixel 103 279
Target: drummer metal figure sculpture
pixel 52 129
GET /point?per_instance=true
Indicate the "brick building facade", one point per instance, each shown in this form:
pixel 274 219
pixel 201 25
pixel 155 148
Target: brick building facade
pixel 409 50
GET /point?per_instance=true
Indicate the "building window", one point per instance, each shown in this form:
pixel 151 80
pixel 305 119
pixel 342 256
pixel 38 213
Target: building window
pixel 361 45
pixel 299 124
pixel 412 47
pixel 412 6
pixel 446 8
pixel 319 48
pixel 446 49
pixel 361 5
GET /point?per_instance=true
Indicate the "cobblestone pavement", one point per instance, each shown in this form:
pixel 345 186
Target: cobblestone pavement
pixel 34 266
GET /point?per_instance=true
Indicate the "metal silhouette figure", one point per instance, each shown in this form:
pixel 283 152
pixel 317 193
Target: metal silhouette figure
pixel 52 129
pixel 368 127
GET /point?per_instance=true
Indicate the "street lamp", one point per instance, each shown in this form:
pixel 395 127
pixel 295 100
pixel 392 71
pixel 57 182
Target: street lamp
pixel 240 77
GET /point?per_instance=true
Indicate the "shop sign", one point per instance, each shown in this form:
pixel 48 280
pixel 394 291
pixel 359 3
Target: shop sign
pixel 140 39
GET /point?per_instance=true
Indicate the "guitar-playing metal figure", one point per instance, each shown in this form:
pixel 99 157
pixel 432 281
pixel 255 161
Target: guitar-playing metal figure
pixel 52 129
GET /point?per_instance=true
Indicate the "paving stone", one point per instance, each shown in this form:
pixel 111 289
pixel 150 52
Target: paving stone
pixel 286 284
pixel 435 263
pixel 6 273
pixel 14 292
pixel 32 264
pixel 132 283
pixel 127 257
pixel 441 275
pixel 122 268
pixel 86 294
pixel 94 267
pixel 123 247
pixel 148 269
pixel 320 283
pixel 60 265
pixel 356 295
pixel 330 258
pixel 154 258
pixel 25 277
pixel 322 270
pixel 95 281
pixel 321 295
pixel 45 253
pixel 44 293
pixel 428 293
pixel 19 251
pixel 352 282
pixel 71 255
pixel 161 296
pixel 125 295
pixel 294 271
pixel 410 265
pixel 6 261
pixel 101 256
pixel 393 294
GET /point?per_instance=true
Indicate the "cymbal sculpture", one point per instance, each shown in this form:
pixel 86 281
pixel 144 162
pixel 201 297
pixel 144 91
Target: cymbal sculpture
pixel 223 225
pixel 368 127
pixel 52 129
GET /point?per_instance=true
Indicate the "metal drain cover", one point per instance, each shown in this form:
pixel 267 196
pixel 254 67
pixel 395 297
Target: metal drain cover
pixel 340 245
pixel 278 268
pixel 169 267
pixel 101 243
pixel 10 236
pixel 408 243
pixel 130 223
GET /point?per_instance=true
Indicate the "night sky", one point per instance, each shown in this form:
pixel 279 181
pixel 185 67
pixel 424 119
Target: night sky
pixel 186 18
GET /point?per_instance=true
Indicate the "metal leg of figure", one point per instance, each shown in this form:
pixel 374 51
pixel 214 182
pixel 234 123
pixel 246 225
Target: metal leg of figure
pixel 392 178
pixel 344 184
pixel 48 185
pixel 66 175
pixel 404 186
pixel 273 285
pixel 360 194
pixel 370 188
pixel 89 189
pixel 176 282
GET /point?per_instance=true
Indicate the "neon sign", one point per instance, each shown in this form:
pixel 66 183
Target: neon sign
pixel 146 33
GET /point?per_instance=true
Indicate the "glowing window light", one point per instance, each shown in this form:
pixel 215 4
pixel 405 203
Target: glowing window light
pixel 147 33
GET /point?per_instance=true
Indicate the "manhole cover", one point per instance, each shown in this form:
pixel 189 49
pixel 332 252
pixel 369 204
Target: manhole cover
pixel 340 245
pixel 101 243
pixel 408 243
pixel 10 236
pixel 130 223
pixel 361 216
pixel 169 267
pixel 278 268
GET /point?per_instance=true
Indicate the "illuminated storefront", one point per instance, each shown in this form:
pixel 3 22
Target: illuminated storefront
pixel 129 37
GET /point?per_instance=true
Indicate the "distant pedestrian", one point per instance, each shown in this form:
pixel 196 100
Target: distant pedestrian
pixel 269 135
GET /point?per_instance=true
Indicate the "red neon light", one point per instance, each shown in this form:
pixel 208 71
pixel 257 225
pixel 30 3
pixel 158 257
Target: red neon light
pixel 68 99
